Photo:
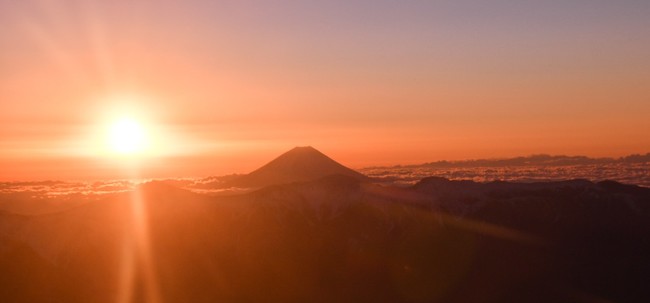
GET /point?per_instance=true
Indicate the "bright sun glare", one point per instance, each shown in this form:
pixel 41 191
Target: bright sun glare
pixel 127 137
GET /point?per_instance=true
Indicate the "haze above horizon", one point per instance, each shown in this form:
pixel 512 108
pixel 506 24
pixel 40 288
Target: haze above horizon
pixel 221 86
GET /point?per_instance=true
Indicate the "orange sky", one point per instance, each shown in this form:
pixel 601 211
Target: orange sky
pixel 224 86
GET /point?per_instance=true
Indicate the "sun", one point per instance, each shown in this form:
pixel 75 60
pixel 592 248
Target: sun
pixel 127 137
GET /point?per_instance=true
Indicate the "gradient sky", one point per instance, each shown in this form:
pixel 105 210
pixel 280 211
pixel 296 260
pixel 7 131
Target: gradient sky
pixel 227 85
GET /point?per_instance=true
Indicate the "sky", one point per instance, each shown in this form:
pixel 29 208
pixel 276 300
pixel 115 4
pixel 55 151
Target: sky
pixel 224 86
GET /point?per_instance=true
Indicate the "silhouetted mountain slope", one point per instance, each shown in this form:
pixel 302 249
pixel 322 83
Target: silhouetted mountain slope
pixel 26 277
pixel 24 203
pixel 297 165
pixel 339 239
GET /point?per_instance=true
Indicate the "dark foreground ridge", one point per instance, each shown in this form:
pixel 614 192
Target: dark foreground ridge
pixel 338 239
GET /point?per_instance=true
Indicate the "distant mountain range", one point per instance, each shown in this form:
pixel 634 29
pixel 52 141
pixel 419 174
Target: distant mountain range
pixel 335 238
pixel 533 160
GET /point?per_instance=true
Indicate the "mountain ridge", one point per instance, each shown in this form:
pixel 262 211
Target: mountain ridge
pixel 282 239
pixel 531 160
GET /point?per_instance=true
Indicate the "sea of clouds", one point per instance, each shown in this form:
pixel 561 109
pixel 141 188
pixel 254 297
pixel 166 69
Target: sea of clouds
pixel 525 169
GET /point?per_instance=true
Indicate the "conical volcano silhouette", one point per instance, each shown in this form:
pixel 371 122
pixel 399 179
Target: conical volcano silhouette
pixel 297 165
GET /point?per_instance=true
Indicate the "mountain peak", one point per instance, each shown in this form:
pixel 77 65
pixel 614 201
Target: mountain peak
pixel 302 163
pixel 303 153
pixel 307 148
